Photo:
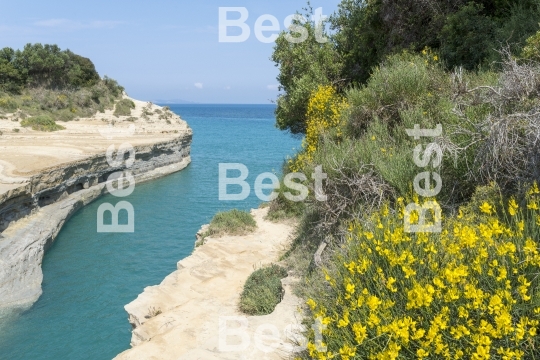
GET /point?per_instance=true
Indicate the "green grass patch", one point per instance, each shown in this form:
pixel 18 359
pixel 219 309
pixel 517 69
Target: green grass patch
pixel 41 123
pixel 124 107
pixel 262 291
pixel 284 209
pixel 233 222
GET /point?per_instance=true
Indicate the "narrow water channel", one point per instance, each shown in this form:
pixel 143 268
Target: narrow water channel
pixel 89 277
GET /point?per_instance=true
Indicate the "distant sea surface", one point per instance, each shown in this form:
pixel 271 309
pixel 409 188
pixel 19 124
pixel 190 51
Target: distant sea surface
pixel 89 277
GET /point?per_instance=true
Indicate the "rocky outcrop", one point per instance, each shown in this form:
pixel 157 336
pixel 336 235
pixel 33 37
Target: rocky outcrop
pixel 181 317
pixel 32 214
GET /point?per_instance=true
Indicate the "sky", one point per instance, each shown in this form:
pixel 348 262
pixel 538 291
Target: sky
pixel 160 50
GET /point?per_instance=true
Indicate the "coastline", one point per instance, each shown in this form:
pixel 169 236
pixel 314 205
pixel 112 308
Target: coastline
pixel 36 203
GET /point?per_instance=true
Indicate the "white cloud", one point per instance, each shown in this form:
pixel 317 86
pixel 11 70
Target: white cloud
pixel 199 85
pixel 74 25
pixel 273 87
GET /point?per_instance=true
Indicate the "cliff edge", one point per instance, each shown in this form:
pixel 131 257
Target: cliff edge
pixel 46 176
pixel 193 313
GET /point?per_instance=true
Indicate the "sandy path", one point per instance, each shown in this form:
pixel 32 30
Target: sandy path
pixel 206 288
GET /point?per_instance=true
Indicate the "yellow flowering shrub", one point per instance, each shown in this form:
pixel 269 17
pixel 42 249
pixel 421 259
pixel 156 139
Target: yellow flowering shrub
pixel 323 112
pixel 470 292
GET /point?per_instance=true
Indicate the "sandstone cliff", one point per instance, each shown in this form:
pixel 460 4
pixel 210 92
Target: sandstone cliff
pixel 46 177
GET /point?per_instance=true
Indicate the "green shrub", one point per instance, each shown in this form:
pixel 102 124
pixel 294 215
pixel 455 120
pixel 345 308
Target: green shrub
pixel 282 209
pixel 124 107
pixel 467 37
pixel 532 50
pixel 65 114
pixel 402 81
pixel 303 67
pixel 41 123
pixel 470 290
pixel 233 222
pixel 262 291
pixel 8 104
pixel 114 88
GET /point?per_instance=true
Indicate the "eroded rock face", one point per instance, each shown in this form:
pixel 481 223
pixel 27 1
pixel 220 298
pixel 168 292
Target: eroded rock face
pixel 32 213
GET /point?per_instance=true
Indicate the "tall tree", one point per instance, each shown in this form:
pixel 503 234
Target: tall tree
pixel 306 58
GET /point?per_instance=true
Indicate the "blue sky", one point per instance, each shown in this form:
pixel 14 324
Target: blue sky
pixel 159 50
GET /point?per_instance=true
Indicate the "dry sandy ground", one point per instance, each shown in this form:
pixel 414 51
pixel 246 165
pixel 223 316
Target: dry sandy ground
pixel 27 152
pixel 206 290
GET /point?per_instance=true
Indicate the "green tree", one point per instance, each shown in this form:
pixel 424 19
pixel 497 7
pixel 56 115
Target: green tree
pixel 81 72
pixel 468 37
pixel 303 66
pixel 468 33
pixel 46 66
pixel 10 78
pixel 369 31
pixel 41 65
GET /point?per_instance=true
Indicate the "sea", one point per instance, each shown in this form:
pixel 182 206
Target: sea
pixel 89 277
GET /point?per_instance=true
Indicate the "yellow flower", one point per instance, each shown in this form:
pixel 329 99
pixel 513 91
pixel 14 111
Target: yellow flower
pixel 390 284
pixel 420 296
pixel 521 225
pixel 534 190
pixel 373 320
pixel 347 352
pixel 360 333
pixel 482 352
pixel 345 321
pixel 349 289
pixel 486 208
pixel 532 205
pixel 436 58
pixel 419 334
pixel 421 353
pixel 373 302
pixel 512 207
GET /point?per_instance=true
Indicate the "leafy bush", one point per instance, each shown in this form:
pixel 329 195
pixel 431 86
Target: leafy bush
pixel 400 82
pixel 233 222
pixel 66 114
pixel 262 291
pixel 8 104
pixel 41 123
pixel 468 37
pixel 303 68
pixel 468 292
pixel 323 112
pixel 124 107
pixel 531 50
pixel 282 208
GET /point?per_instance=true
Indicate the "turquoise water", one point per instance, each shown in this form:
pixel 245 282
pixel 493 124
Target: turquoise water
pixel 89 277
